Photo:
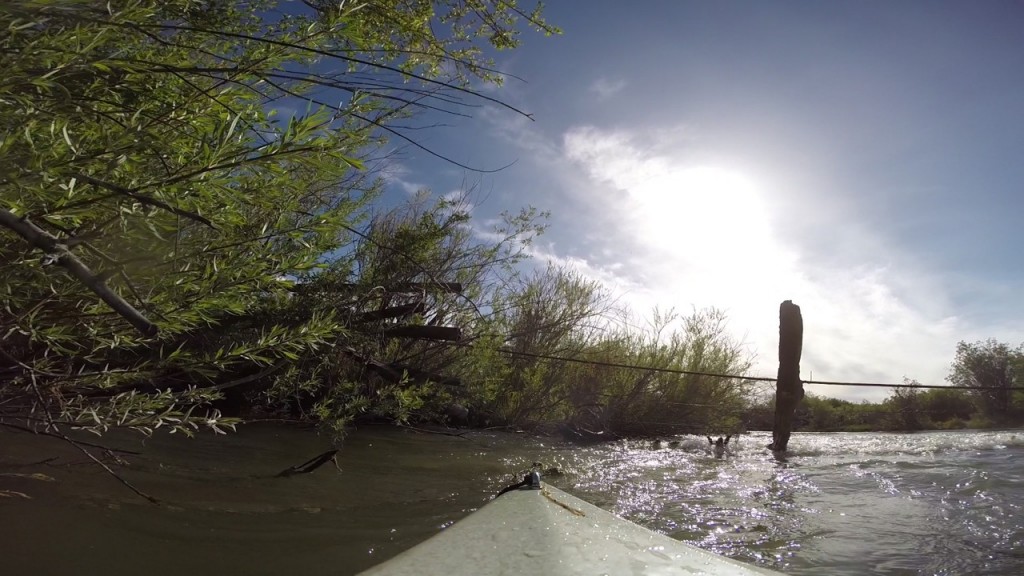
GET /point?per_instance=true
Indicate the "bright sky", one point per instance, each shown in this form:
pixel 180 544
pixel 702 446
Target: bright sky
pixel 863 159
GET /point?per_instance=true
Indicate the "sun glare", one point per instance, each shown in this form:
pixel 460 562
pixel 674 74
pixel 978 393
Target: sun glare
pixel 706 238
pixel 714 213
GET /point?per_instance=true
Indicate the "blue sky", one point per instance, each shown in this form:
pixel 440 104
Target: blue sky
pixel 860 158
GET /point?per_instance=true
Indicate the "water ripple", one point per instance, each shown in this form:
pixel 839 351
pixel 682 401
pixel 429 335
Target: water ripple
pixel 935 503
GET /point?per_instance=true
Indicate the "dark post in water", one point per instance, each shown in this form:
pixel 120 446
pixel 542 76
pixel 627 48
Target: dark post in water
pixel 789 390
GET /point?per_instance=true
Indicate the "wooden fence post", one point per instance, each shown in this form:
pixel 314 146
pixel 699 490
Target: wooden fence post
pixel 789 390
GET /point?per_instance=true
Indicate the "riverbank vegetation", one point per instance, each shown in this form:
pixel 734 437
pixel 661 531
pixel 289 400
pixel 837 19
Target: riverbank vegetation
pixel 936 409
pixel 983 392
pixel 193 234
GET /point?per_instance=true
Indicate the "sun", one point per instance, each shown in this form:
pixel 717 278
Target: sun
pixel 714 211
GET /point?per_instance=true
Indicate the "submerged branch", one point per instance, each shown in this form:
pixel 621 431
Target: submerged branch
pixel 309 465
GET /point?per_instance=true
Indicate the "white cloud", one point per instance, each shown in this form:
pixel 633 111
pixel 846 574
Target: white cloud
pixel 395 174
pixel 705 235
pixel 664 223
pixel 605 88
pixel 460 201
pixel 518 130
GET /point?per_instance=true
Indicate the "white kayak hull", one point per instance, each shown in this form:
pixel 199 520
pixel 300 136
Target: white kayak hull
pixel 546 531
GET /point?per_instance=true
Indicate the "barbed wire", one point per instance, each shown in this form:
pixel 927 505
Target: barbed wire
pixel 737 376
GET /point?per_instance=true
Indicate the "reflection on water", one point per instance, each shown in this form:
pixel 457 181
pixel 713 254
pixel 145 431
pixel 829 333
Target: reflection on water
pixel 932 503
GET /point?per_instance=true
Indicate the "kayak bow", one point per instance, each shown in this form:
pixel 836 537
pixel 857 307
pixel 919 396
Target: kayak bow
pixel 542 530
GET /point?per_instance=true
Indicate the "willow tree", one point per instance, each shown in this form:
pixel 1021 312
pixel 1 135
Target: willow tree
pixel 170 165
pixel 415 269
pixel 991 368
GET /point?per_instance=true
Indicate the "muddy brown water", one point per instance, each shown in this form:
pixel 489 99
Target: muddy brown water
pixel 932 503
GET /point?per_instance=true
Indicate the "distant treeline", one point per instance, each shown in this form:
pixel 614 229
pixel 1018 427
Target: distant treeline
pixel 990 365
pixel 940 409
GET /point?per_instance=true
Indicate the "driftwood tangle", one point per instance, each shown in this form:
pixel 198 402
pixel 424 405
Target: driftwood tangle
pixel 789 390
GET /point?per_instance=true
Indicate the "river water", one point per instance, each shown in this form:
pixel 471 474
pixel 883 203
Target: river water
pixel 928 503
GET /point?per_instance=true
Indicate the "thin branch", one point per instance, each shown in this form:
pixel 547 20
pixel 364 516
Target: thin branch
pixel 438 432
pixel 378 122
pixel 428 150
pixel 143 199
pixel 251 378
pixel 227 165
pixel 51 424
pixel 335 55
pixel 82 442
pixel 422 269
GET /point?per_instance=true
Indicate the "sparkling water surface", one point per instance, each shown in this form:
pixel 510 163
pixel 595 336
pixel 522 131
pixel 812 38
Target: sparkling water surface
pixel 867 503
